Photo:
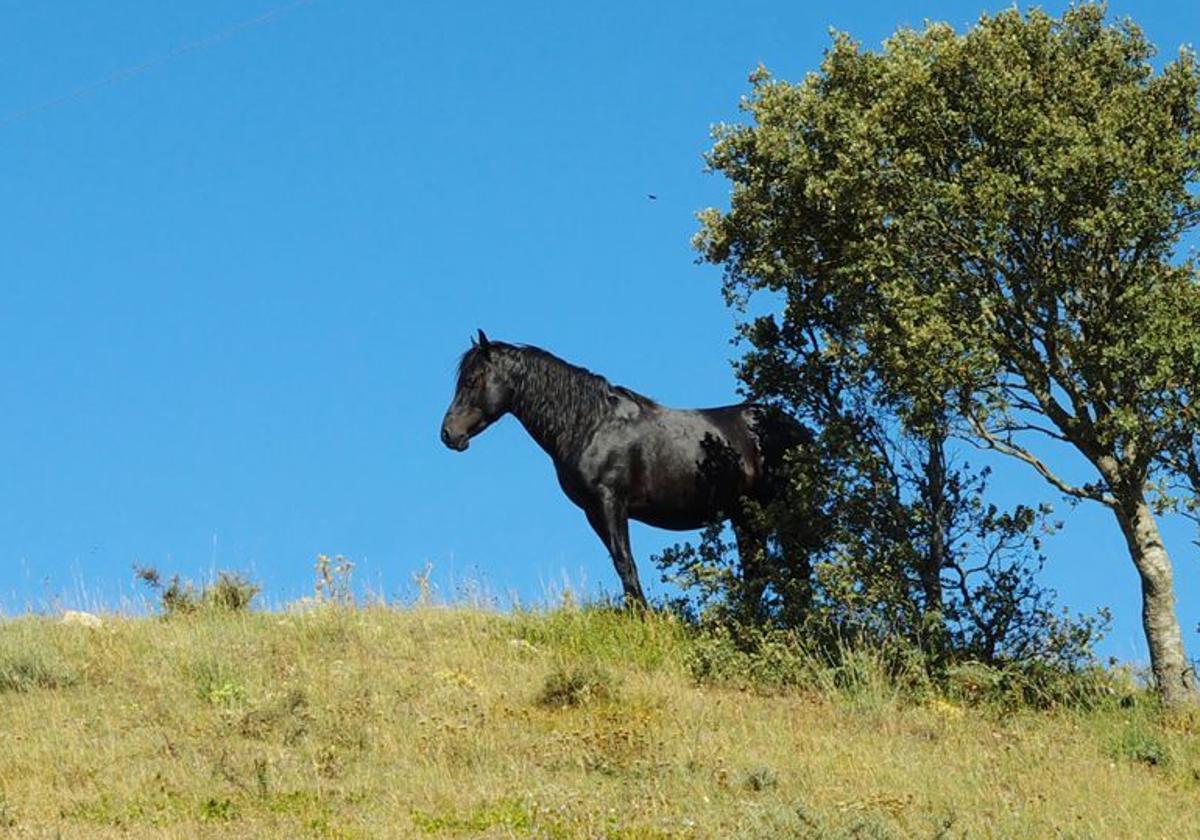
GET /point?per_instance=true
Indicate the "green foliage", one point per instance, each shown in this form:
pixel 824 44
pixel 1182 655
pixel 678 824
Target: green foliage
pixel 975 235
pixel 863 587
pixel 250 725
pixel 753 658
pixel 217 683
pixel 603 633
pixel 954 198
pixel 1139 743
pixel 510 814
pixel 218 810
pixel 1032 685
pixel 577 685
pixel 34 669
pixel 30 661
pixel 869 676
pixel 229 592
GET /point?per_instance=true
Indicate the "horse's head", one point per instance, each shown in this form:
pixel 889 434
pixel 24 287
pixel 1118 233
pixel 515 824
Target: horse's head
pixel 480 398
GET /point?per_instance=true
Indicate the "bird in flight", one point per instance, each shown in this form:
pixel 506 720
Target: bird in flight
pixel 652 196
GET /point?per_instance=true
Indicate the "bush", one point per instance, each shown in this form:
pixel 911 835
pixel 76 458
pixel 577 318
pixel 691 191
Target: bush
pixel 1031 684
pixel 753 659
pixel 1140 744
pixel 868 675
pixel 230 592
pixel 577 685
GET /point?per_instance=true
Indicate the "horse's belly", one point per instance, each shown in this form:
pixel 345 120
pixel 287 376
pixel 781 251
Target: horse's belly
pixel 674 520
pixel 682 497
pixel 679 472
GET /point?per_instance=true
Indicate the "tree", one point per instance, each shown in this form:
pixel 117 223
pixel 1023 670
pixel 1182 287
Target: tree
pixel 1180 491
pixel 988 223
pixel 889 540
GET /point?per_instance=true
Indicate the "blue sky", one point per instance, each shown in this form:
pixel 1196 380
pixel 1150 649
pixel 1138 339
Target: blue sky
pixel 235 285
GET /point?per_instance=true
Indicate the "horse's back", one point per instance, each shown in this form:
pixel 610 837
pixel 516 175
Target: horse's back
pixel 680 468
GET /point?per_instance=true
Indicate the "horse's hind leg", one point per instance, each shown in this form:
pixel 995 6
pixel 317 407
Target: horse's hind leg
pixel 752 559
pixel 611 523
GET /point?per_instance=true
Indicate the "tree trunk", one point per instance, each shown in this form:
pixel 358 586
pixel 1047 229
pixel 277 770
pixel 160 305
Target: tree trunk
pixel 931 565
pixel 935 499
pixel 1174 674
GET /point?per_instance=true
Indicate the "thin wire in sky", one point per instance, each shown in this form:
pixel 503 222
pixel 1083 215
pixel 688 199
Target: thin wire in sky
pixel 137 69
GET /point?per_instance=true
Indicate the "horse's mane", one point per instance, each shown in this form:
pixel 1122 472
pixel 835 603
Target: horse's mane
pixel 550 370
pixel 558 402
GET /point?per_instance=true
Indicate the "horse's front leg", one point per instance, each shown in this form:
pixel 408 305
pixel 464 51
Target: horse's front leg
pixel 609 518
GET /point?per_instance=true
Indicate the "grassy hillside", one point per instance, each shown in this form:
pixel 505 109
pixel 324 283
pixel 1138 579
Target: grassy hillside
pixel 448 722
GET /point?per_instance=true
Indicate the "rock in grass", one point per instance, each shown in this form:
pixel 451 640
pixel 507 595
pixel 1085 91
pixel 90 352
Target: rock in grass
pixel 83 619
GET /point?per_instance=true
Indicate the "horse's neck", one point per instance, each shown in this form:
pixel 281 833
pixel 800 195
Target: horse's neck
pixel 559 420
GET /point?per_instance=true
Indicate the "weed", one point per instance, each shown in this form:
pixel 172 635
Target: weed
pixel 217 684
pixel 229 592
pixel 36 666
pixel 216 809
pixel 328 763
pixel 301 723
pixel 157 810
pixel 287 714
pixel 1034 685
pixel 762 661
pixel 8 814
pixel 802 822
pixel 1138 743
pixel 262 777
pixel 576 685
pixel 605 633
pixel 758 779
pixel 333 580
pixel 511 814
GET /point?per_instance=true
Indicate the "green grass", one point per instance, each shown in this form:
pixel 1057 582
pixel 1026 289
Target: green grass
pixel 454 722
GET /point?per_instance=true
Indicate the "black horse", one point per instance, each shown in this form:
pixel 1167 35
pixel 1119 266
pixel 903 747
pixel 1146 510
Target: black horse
pixel 619 454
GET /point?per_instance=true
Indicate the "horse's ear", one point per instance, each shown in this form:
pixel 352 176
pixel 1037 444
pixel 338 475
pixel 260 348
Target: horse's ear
pixel 482 341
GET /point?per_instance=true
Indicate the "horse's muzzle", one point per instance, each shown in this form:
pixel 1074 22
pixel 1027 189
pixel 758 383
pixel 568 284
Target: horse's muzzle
pixel 458 443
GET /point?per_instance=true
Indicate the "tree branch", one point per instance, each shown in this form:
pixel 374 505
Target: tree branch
pixel 1009 448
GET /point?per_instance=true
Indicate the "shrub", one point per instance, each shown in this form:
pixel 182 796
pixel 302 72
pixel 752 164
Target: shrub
pixel 1031 685
pixel 748 658
pixel 758 779
pixel 1140 744
pixel 217 684
pixel 229 592
pixel 577 685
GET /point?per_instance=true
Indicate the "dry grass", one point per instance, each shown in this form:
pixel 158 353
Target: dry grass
pixel 448 722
